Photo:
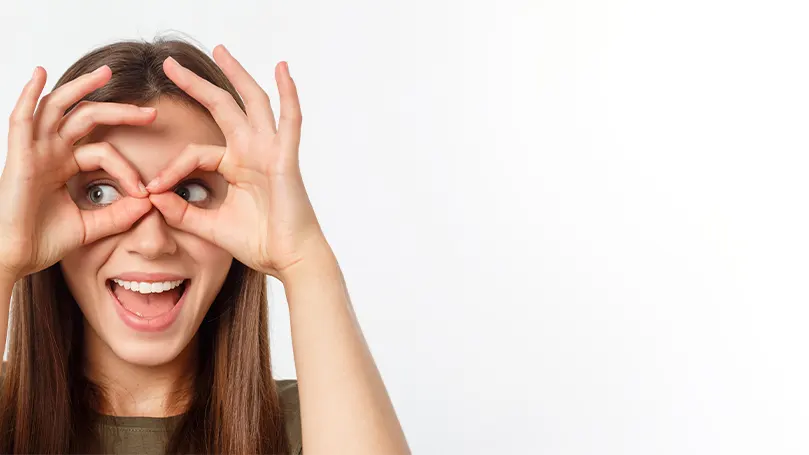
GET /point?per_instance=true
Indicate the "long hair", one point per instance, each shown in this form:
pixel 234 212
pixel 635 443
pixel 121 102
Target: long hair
pixel 48 405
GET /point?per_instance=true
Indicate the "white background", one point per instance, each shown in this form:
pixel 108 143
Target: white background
pixel 568 227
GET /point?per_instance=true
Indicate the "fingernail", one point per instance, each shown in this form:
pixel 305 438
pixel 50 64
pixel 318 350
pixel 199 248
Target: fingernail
pixel 147 109
pixel 173 61
pixel 287 67
pixel 35 72
pixel 99 70
pixel 142 187
pixel 152 184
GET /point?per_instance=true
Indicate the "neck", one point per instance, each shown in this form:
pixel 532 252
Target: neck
pixel 139 390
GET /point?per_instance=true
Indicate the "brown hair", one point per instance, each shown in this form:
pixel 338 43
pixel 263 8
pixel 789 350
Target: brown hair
pixel 49 406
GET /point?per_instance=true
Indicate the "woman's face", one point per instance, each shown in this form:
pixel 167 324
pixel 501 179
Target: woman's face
pixel 144 292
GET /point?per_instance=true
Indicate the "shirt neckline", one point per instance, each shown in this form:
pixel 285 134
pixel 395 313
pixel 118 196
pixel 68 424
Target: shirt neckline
pixel 138 421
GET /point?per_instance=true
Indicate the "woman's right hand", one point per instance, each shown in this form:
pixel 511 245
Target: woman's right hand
pixel 39 221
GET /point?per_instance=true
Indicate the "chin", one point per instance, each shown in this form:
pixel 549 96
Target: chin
pixel 140 340
pixel 147 353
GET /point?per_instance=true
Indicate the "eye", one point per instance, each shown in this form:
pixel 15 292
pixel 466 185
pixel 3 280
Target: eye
pixel 192 192
pixel 102 194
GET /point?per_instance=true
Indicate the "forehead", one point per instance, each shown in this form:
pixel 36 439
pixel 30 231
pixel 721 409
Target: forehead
pixel 151 147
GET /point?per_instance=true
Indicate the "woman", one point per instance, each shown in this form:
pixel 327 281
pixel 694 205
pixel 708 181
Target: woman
pixel 139 315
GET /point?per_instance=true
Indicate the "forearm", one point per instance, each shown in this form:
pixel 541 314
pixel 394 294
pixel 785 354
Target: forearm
pixel 345 408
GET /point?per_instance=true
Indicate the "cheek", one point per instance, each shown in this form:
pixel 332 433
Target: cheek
pixel 212 261
pixel 80 269
pixel 82 264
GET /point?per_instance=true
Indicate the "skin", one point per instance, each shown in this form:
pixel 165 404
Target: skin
pixel 125 360
pixel 265 220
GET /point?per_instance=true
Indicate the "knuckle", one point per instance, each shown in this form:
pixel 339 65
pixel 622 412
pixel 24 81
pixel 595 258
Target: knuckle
pixel 104 147
pixel 217 102
pixel 82 104
pixel 97 151
pixel 196 151
pixel 264 96
pixel 193 149
pixel 83 109
pixel 293 115
pixel 46 101
pixel 117 223
pixel 222 98
pixel 18 119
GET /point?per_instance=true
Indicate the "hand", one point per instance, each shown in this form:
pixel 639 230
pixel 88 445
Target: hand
pixel 266 220
pixel 40 222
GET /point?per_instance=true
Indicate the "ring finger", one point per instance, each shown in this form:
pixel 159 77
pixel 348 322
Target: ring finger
pixel 53 105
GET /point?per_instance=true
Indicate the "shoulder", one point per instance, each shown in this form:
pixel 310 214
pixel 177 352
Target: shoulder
pixel 290 402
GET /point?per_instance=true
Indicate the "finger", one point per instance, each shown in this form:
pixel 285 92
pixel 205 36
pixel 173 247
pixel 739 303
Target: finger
pixel 113 219
pixel 224 109
pixel 20 128
pixel 87 114
pixel 179 214
pixel 53 106
pixel 195 156
pixel 102 155
pixel 256 100
pixel 289 123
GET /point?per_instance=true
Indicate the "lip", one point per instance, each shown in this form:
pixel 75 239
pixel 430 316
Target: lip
pixel 158 323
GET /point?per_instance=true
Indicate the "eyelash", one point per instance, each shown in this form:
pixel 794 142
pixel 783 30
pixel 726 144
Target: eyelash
pixel 184 182
pixel 196 181
pixel 99 182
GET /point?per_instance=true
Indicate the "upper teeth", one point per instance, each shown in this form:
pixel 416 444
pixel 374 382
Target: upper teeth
pixel 148 288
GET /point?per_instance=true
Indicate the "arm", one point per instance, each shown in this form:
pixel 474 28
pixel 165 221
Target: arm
pixel 345 408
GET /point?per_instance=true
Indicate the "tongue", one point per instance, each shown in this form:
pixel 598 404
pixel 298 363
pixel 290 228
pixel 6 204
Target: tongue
pixel 147 305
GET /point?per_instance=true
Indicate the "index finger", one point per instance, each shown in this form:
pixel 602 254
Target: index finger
pixel 102 155
pixel 224 109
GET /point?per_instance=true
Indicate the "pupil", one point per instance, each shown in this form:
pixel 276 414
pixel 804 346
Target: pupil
pixel 184 193
pixel 96 195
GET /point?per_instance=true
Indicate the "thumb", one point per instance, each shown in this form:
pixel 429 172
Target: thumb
pixel 179 214
pixel 113 219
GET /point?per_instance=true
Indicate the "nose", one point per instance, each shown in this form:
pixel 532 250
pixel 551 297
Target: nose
pixel 151 237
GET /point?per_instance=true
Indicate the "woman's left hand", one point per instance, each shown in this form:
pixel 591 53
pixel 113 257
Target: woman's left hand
pixel 266 220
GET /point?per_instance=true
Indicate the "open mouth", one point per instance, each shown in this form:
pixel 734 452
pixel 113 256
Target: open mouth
pixel 147 300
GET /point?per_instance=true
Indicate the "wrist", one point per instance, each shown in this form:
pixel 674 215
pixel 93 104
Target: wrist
pixel 7 280
pixel 316 256
pixel 9 275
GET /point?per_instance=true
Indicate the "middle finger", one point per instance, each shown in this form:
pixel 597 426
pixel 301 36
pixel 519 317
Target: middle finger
pixel 81 120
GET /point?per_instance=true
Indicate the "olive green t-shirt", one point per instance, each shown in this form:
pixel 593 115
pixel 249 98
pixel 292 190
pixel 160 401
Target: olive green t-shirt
pixel 149 435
